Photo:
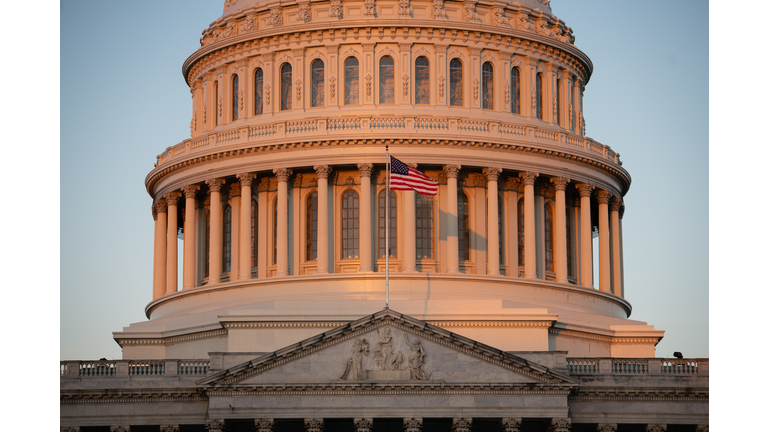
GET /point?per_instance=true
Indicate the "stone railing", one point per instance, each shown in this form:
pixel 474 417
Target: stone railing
pixel 469 129
pixel 637 366
pixel 123 368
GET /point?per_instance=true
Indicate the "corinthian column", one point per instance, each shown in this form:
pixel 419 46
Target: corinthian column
pixel 214 255
pixel 264 424
pixel 363 425
pixel 492 175
pixel 161 210
pixel 283 174
pixel 412 424
pixel 246 180
pixel 585 192
pixel 172 265
pixel 513 262
pixel 511 424
pixel 560 425
pixel 616 246
pixel 452 174
pixel 190 192
pixel 314 424
pixel 366 262
pixel 561 252
pixel 322 218
pixel 603 197
pixel 529 179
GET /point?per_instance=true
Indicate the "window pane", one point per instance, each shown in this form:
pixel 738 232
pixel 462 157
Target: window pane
pixel 424 226
pixel 539 97
pixel 254 233
pixel 350 221
pixel 382 219
pixel 548 238
pixel 274 232
pixel 456 83
pixel 463 220
pixel 318 83
pixel 386 80
pixel 521 232
pixel 312 227
pixel 351 81
pixel 258 92
pixel 235 97
pixel 559 101
pixel 227 249
pixel 422 81
pixel 515 90
pixel 216 102
pixel 487 85
pixel 286 91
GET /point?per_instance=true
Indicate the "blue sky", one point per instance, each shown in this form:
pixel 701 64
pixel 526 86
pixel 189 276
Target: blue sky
pixel 124 100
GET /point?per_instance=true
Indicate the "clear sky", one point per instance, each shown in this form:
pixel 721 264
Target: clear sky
pixel 124 100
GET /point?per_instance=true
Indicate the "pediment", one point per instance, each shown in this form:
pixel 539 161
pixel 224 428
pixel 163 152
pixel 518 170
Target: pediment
pixel 387 347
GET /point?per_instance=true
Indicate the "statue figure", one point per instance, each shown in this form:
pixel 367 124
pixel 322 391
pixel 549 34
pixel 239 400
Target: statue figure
pixel 354 369
pixel 391 361
pixel 416 360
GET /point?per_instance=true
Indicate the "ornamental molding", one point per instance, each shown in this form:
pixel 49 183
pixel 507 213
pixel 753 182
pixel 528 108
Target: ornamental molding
pixel 437 9
pixel 511 424
pixel 643 394
pixel 246 179
pixel 313 425
pixel 282 324
pixel 365 169
pixel 603 427
pixel 264 424
pixel 461 425
pixel 405 9
pixel 489 57
pixel 498 18
pixel 127 395
pixel 170 340
pixel 493 324
pixel 656 428
pixel 275 17
pixel 414 424
pixel 190 191
pixel 171 428
pixel 336 10
pixel 363 425
pixel 441 85
pixel 423 52
pixel 282 174
pixel 215 184
pixel 305 13
pixel 250 24
pixel 351 52
pixel 469 14
pixel 560 182
pixel 457 53
pixel 216 425
pixel 124 429
pixel 369 8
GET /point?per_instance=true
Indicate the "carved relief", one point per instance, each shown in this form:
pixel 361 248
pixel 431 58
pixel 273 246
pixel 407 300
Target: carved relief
pixel 545 3
pixel 498 16
pixel 533 102
pixel 322 171
pixel 384 358
pixel 452 171
pixel 216 425
pixel 335 11
pixel 122 428
pixel 240 100
pixel 219 109
pixel 603 427
pixel 304 14
pixel 469 13
pixel 365 169
pixel 297 84
pixel 412 424
pixel 437 9
pixel 267 92
pixel 441 85
pixel 228 3
pixel 172 428
pixel 264 425
pixel 313 425
pixel 354 368
pixel 229 30
pixel 560 425
pixel 511 424
pixel 475 88
pixel 506 93
pixel 492 174
pixel 190 191
pixel 282 174
pixel 250 24
pixel 205 113
pixel 560 183
pixel 416 360
pixel 585 189
pixel 369 8
pixel 275 17
pixel 528 178
pixel 363 425
pixel 368 85
pixel 405 8
pixel 522 22
pixel 462 425
pixel 656 428
pixel 246 179
pixel 332 82
pixel 554 108
pixel 405 85
pixel 541 27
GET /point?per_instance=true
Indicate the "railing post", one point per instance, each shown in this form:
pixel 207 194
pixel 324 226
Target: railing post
pixel 73 368
pixel 605 366
pixel 322 125
pixel 171 367
pixel 217 361
pixel 654 365
pixel 365 123
pixel 702 366
pixel 121 368
pixel 410 122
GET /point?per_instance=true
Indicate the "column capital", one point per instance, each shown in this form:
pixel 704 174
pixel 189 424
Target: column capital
pixel 560 425
pixel 169 428
pixel 161 206
pixel 511 424
pixel 323 171
pixel 234 190
pixel 313 425
pixel 603 196
pixel 452 171
pixel 246 179
pixel 282 174
pixel 702 428
pixel 585 189
pixel 172 198
pixel 365 169
pixel 492 174
pixel 512 184
pixel 560 182
pixel 190 190
pixel 528 177
pixel 363 425
pixel 120 428
pixel 215 184
pixel 264 424
pixel 70 429
pixel 461 425
pixel 616 203
pixel 215 425
pixel 655 428
pixel 412 424
pixel 607 427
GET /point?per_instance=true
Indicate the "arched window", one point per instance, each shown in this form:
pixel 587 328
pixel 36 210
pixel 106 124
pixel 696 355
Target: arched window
pixel 254 233
pixel 539 97
pixel 457 75
pixel 386 80
pixel 421 87
pixel 559 101
pixel 382 224
pixel 515 90
pixel 286 87
pixel 549 240
pixel 274 232
pixel 424 226
pixel 521 232
pixel 351 81
pixel 226 258
pixel 487 85
pixel 312 227
pixel 463 220
pixel 350 225
pixel 235 97
pixel 258 92
pixel 318 83
pixel 216 102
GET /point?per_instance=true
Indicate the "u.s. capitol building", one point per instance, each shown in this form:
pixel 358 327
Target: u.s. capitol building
pixel 278 320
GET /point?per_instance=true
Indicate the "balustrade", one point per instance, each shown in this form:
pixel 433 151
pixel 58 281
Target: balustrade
pixel 114 368
pixel 630 366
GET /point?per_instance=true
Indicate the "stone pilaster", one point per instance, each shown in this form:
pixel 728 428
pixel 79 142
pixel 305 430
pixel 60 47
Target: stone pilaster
pixel 412 424
pixel 511 424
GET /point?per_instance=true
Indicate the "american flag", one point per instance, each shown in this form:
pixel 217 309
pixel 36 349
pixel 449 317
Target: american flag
pixel 403 177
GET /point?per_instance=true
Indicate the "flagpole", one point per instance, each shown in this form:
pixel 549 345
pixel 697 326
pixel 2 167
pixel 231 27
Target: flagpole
pixel 386 235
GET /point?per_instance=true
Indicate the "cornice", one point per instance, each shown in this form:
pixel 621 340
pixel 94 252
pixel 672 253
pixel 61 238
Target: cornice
pixel 126 395
pixel 364 389
pixel 603 338
pixel 170 340
pixel 638 394
pixel 155 175
pixel 283 324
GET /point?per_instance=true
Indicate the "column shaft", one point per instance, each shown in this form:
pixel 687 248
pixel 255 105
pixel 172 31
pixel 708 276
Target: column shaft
pixel 604 240
pixel 529 179
pixel 190 228
pixel 561 253
pixel 172 243
pixel 585 191
pixel 160 248
pixel 283 175
pixel 492 175
pixel 616 247
pixel 214 255
pixel 322 218
pixel 409 245
pixel 246 257
pixel 512 234
pixel 452 230
pixel 366 262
